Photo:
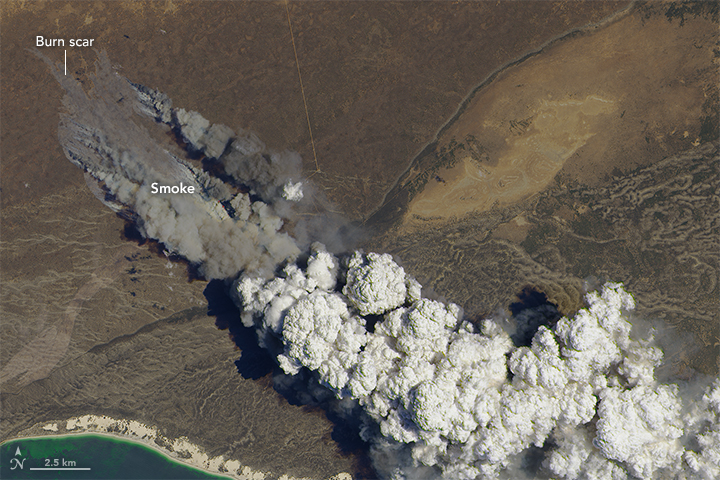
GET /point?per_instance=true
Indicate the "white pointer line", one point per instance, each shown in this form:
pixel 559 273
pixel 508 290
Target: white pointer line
pixel 65 62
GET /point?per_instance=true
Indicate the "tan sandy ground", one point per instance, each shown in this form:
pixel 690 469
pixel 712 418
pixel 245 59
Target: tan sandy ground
pixel 38 357
pixel 616 97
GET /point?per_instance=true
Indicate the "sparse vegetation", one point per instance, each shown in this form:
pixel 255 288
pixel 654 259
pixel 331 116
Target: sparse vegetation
pixel 438 159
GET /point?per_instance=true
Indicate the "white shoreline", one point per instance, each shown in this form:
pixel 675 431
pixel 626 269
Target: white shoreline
pixel 179 449
pixel 124 438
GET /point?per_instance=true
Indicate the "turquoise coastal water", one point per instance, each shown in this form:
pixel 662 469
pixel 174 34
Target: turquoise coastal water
pixel 87 456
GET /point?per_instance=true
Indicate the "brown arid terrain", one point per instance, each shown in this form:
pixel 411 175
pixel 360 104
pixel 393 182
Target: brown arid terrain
pixel 594 159
pixel 490 146
pixel 580 106
pixel 178 373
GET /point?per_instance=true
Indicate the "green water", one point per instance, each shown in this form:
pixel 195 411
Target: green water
pixel 105 457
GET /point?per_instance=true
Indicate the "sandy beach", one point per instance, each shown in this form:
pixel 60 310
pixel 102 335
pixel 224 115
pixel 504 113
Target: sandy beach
pixel 179 449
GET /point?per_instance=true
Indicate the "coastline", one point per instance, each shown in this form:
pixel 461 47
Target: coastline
pixel 179 449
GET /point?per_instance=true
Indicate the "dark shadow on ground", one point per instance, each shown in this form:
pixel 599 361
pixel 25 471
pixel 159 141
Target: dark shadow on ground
pixel 530 312
pixel 255 361
pixel 303 389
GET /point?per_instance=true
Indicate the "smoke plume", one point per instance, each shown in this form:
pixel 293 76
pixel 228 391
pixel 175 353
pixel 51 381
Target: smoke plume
pixel 234 221
pixel 444 398
pixel 437 395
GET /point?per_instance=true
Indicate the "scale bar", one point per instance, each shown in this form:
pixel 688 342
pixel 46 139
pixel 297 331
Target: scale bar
pixel 59 468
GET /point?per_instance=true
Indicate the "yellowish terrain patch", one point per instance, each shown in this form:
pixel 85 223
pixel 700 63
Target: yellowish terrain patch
pixel 536 149
pixel 609 100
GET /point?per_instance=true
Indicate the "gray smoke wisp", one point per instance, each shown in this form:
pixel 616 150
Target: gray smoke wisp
pixel 238 223
pixel 438 396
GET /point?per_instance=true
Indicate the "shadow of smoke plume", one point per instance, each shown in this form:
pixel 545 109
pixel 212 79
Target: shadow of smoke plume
pixel 254 362
pixel 532 311
pixel 302 390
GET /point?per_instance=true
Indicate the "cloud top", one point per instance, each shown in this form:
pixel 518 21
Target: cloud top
pixel 455 400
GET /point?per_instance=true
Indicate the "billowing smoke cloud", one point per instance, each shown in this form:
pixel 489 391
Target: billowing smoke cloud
pixel 438 395
pixel 449 399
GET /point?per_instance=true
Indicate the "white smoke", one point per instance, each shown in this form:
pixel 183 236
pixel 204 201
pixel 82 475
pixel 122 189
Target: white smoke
pixel 292 191
pixel 437 393
pixel 440 396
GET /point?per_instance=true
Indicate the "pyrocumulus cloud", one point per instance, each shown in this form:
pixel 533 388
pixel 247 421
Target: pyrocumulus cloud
pixel 439 396
pixel 451 399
